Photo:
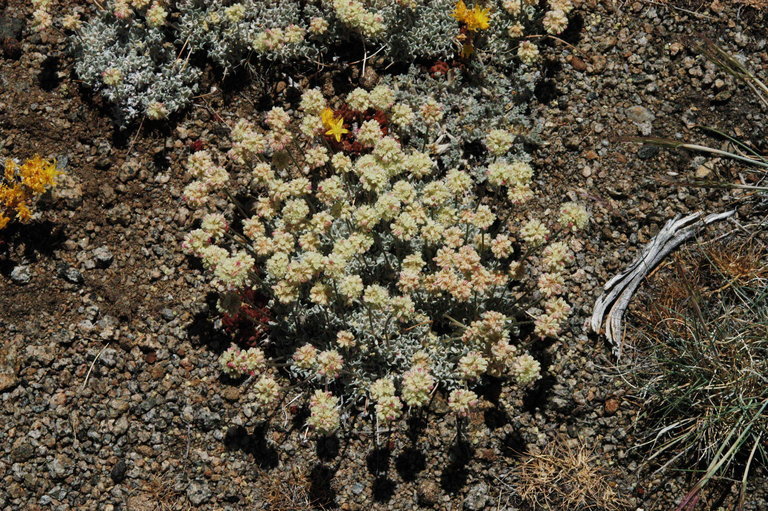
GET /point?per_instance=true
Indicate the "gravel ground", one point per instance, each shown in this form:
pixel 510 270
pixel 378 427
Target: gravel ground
pixel 110 395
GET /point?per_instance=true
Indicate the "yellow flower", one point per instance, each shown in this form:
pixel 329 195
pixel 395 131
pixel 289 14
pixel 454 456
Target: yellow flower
pixel 475 19
pixel 461 11
pixel 37 173
pixel 327 116
pixel 478 19
pixel 20 184
pixel 334 125
pixel 23 213
pixel 336 128
pixel 10 169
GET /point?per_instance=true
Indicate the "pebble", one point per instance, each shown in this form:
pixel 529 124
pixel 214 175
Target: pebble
pixel 611 405
pixel 60 467
pixel 108 357
pixel 577 63
pixel 639 114
pixel 647 152
pixel 231 394
pixel 22 452
pixel 103 257
pixel 702 171
pixel 198 492
pixel 21 274
pixel 118 472
pixel 477 497
pixel 69 273
pixel 8 381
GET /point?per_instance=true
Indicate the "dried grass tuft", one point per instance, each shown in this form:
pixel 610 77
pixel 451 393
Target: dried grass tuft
pixel 286 490
pixel 567 475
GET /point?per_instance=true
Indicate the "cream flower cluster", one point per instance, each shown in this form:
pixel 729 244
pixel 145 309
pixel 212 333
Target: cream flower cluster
pixel 275 39
pixel 324 412
pixel 393 263
pixel 41 15
pixel 353 14
pixel 236 362
pixel 516 18
pixel 153 11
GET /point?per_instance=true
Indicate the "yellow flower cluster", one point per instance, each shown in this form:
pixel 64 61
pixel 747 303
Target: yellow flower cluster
pixel 21 184
pixel 476 18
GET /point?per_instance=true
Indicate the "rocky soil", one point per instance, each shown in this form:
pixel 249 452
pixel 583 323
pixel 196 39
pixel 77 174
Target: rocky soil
pixel 111 398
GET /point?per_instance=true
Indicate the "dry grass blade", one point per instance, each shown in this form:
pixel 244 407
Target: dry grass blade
pixel 674 144
pixel 733 67
pixel 567 475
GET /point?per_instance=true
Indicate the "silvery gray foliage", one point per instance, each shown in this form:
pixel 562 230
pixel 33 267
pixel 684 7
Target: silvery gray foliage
pixel 227 38
pixel 263 33
pixel 474 101
pixel 427 31
pixel 150 72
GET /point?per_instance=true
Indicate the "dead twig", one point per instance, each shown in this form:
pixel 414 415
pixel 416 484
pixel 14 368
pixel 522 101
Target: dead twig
pixel 609 309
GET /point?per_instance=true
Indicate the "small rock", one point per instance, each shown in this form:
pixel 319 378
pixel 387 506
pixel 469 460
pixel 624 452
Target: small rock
pixel 702 172
pixel 103 257
pixel 428 493
pixel 598 63
pixel 477 497
pixel 611 405
pixel 647 152
pixel 675 48
pixel 370 78
pixel 572 143
pixel 118 472
pixel 69 273
pixel 120 405
pixel 22 452
pixel 206 419
pixel 198 492
pixel 61 466
pixel 8 381
pixel 68 190
pixel 64 337
pixel 44 355
pixel 121 426
pixel 21 274
pixel 11 48
pixel 639 114
pixel 231 394
pixel 108 357
pixel 577 63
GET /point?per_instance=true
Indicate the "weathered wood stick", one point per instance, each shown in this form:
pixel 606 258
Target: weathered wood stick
pixel 608 313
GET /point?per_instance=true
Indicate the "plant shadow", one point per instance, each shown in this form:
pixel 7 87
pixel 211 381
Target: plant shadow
pixel 255 444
